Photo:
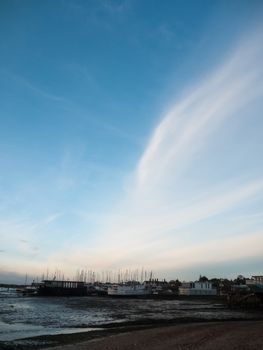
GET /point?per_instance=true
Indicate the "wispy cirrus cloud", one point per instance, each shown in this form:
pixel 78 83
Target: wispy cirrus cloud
pixel 153 212
pixel 184 129
pixel 35 88
pixel 149 227
pixel 115 7
pixel 65 103
pixel 52 217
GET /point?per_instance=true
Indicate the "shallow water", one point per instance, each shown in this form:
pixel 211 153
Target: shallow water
pixel 22 317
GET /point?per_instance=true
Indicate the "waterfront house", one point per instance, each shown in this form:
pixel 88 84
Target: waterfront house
pixel 197 288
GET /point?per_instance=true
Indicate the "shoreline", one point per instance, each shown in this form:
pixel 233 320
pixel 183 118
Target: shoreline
pixel 127 330
pixel 203 335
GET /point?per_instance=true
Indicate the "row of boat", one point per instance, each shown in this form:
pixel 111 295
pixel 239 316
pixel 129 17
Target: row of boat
pixel 75 288
pixel 131 289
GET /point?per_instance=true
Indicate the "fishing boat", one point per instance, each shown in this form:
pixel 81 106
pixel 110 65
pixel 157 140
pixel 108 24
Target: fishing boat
pixel 129 290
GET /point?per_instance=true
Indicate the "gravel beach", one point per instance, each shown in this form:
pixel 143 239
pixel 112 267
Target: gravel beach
pixel 246 335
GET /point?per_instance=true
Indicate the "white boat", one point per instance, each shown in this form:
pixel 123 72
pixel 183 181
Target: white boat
pixel 125 290
pixel 27 290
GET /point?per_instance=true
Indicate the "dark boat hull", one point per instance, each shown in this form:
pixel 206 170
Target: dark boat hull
pixel 59 291
pixel 257 289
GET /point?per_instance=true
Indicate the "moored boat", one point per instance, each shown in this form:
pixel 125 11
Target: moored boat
pixel 62 288
pixel 27 290
pixel 129 290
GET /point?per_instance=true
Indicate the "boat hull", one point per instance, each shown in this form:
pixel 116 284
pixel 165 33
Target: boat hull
pixel 257 289
pixel 121 291
pixel 59 291
pixel 62 288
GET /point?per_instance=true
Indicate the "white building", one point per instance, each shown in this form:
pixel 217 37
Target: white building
pixel 255 284
pixel 257 279
pixel 197 288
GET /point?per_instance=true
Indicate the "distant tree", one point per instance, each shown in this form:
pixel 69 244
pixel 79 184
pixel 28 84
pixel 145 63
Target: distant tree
pixel 240 280
pixel 225 285
pixel 174 285
pixel 215 282
pixel 203 279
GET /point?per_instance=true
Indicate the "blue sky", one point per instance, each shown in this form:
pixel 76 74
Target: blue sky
pixel 131 136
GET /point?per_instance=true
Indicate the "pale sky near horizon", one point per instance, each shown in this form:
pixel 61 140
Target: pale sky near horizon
pixel 131 135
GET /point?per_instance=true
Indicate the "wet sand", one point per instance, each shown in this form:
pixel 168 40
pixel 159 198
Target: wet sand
pixel 244 335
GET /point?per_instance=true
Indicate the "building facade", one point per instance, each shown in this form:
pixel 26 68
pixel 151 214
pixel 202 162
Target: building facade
pixel 197 288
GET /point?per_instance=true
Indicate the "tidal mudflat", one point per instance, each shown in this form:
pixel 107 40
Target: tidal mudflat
pixel 36 322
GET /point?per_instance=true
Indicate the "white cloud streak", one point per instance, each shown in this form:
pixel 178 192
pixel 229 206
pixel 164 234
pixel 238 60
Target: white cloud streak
pixel 149 220
pixel 25 83
pixel 184 129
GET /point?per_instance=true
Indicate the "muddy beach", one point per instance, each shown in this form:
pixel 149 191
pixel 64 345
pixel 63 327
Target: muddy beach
pixel 231 335
pixel 227 335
